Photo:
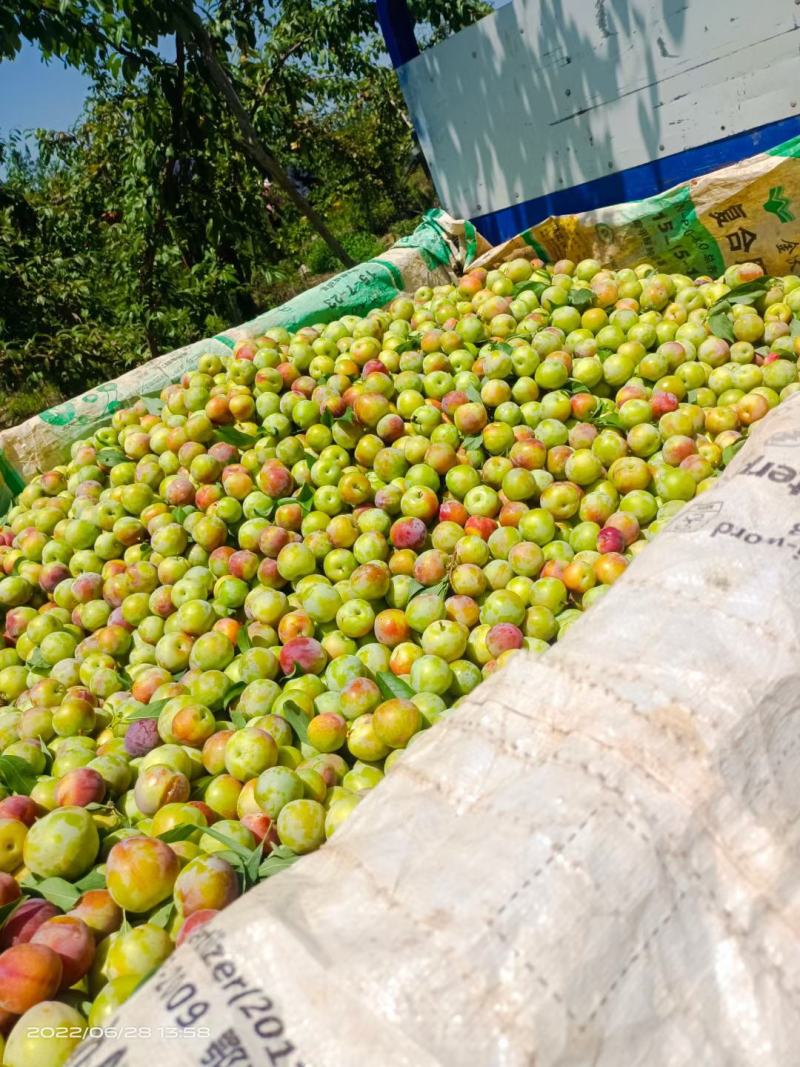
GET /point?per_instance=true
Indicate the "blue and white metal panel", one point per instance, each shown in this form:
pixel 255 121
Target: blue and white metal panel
pixel 555 106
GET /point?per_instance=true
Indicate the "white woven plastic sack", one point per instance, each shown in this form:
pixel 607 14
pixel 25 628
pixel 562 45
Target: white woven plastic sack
pixel 594 860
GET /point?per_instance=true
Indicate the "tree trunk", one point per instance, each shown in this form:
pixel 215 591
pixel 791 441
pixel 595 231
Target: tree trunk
pixel 260 155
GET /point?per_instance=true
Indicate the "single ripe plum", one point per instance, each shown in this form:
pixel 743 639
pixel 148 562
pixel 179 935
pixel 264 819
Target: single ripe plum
pixel 275 788
pixel 249 752
pixel 111 998
pixel 263 829
pixel 80 787
pixel 503 636
pixel 158 785
pixel 9 888
pixel 137 952
pixel 20 807
pixel 396 721
pixel 29 974
pixel 301 825
pixel 45 1036
pixel 62 844
pixel 141 737
pixel 97 909
pixel 72 941
pixel 12 840
pixel 206 882
pixel 327 732
pixel 339 812
pixel 140 873
pixel 20 927
pixel 358 697
pixel 304 652
pixel 194 922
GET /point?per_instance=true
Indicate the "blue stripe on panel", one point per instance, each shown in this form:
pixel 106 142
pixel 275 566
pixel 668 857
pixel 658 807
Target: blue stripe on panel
pixel 635 183
pixel 397 26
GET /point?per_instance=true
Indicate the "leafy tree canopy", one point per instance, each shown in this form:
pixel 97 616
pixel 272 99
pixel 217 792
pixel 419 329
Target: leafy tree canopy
pixel 217 145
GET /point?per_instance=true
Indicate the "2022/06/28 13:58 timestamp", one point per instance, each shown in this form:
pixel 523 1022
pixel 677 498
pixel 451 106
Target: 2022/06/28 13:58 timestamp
pixel 120 1033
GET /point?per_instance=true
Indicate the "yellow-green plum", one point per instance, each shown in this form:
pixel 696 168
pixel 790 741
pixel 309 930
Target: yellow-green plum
pixel 62 844
pixel 140 873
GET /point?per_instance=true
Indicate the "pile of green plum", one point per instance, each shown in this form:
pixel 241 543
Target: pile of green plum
pixel 233 608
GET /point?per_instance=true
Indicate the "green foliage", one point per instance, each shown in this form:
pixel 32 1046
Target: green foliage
pixel 319 259
pixel 149 225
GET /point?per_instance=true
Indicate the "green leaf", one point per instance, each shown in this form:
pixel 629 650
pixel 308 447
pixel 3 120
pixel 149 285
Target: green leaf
pixel 252 864
pixel 57 890
pixel 719 322
pixel 233 693
pixel 609 421
pixel 794 328
pixel 748 292
pixel 148 711
pixel 110 457
pixel 236 861
pixel 532 286
pixel 503 347
pixel 182 513
pixel 348 416
pixel 580 299
pixel 238 719
pixel 305 498
pixel 474 441
pixel 296 672
pixel 164 916
pixel 125 926
pixel 473 394
pixel 573 386
pixel 182 832
pixel 243 642
pixel 730 450
pixel 278 860
pixel 441 589
pixel 410 343
pixel 199 785
pixel 231 436
pixel 153 404
pixel 391 686
pixel 17 775
pixel 7 910
pixel 233 846
pixel 297 719
pixel 415 588
pixel 95 879
pixel 38 664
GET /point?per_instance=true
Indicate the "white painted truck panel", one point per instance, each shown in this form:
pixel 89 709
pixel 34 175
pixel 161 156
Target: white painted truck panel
pixel 544 95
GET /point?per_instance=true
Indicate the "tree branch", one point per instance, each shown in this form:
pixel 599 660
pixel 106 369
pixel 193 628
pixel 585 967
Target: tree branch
pixel 261 156
pixel 282 60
